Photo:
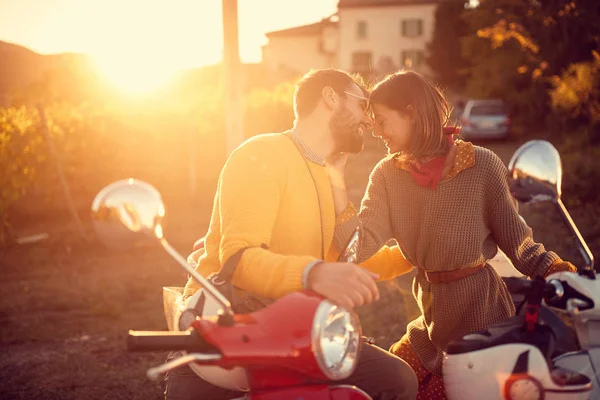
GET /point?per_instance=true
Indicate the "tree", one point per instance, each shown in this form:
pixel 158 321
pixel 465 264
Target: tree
pixel 536 42
pixel 445 57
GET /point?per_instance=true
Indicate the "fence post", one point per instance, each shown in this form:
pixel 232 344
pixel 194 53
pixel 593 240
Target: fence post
pixel 61 175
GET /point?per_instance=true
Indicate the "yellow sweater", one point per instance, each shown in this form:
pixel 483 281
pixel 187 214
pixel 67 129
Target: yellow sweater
pixel 266 196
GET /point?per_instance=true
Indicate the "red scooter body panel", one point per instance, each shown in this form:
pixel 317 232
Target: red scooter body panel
pixel 273 344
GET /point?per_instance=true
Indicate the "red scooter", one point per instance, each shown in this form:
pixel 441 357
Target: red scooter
pixel 293 349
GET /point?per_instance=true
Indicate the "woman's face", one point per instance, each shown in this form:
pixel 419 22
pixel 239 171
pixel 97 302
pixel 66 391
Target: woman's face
pixel 392 127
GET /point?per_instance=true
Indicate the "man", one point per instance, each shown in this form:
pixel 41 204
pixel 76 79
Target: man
pixel 274 204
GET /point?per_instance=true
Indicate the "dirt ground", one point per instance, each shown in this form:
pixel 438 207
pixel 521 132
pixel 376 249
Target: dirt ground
pixel 66 306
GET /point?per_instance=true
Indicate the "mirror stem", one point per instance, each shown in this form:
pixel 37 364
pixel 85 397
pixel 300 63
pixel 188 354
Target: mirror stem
pixel 588 258
pixel 218 296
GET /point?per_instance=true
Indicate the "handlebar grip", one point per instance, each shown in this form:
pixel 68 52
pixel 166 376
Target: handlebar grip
pixel 549 291
pixel 188 341
pixel 554 292
pixel 517 285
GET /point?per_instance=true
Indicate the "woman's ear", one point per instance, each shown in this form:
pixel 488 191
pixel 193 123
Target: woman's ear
pixel 410 112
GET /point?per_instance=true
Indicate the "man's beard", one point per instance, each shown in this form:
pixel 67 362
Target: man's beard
pixel 345 132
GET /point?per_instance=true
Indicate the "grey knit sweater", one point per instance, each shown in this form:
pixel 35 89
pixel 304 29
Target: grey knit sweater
pixel 459 224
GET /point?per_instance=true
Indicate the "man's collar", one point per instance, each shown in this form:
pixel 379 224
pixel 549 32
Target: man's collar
pixel 306 151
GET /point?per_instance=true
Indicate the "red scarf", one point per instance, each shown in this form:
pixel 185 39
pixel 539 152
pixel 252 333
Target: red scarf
pixel 429 174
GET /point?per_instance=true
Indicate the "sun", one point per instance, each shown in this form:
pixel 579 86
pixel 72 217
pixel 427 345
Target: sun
pixel 140 76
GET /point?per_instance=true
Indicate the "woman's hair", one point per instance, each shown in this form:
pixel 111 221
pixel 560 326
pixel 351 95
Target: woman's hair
pixel 428 107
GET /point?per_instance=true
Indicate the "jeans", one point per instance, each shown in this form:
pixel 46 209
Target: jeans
pixel 379 373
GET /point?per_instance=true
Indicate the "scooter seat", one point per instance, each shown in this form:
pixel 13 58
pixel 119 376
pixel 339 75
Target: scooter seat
pixel 501 333
pixel 564 377
pixel 509 331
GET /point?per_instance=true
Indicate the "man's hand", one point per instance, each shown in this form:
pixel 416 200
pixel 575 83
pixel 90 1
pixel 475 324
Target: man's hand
pixel 345 284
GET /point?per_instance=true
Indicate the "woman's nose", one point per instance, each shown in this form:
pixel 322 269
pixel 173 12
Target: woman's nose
pixel 369 124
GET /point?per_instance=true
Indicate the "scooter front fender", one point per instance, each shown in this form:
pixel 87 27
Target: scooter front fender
pixel 585 362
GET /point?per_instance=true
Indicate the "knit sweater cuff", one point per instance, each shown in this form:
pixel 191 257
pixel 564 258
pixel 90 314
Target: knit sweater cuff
pixel 559 266
pixel 401 263
pixel 293 278
pixel 347 214
pixel 549 259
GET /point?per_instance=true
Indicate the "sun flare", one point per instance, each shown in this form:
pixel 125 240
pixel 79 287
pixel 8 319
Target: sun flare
pixel 136 77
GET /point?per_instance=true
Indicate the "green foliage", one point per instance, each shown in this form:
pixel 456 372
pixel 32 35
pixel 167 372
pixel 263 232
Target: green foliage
pixel 577 91
pixel 21 153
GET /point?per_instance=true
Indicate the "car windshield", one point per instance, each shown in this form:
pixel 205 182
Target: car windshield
pixel 488 109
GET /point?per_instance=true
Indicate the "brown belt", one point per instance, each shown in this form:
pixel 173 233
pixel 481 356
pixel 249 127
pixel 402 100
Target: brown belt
pixel 451 276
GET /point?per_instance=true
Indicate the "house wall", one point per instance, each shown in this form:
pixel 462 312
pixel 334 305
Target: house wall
pixel 299 53
pixel 384 38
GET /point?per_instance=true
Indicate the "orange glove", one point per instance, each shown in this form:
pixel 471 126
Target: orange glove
pixel 560 266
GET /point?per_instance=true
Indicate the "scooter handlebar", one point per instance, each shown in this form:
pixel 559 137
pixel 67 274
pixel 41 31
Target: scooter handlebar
pixel 552 289
pixel 188 341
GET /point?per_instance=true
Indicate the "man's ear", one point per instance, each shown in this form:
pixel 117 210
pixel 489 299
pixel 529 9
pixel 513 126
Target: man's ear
pixel 330 98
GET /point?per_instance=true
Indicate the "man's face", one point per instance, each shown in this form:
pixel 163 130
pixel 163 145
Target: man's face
pixel 350 121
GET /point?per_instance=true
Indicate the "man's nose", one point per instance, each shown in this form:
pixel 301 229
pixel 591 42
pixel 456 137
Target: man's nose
pixel 376 131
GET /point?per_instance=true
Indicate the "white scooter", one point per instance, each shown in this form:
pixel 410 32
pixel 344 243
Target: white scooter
pixel 513 360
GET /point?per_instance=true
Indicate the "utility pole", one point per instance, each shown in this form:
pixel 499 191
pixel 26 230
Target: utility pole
pixel 232 72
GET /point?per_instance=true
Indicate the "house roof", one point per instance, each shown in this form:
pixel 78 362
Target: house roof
pixel 305 30
pixel 372 3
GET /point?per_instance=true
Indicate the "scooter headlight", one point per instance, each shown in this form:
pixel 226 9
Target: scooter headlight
pixel 336 339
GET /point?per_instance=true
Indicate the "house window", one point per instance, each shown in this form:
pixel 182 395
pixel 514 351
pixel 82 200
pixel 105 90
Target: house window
pixel 412 58
pixel 361 30
pixel 412 27
pixel 361 61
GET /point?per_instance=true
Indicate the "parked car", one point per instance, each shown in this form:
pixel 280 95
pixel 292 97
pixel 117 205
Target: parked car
pixel 485 119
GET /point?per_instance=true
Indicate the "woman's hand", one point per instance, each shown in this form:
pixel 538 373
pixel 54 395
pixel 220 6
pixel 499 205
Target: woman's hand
pixel 336 166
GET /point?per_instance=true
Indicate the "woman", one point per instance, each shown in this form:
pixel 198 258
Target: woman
pixel 448 205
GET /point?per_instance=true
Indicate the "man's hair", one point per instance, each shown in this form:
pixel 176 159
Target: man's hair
pixel 309 88
pixel 430 111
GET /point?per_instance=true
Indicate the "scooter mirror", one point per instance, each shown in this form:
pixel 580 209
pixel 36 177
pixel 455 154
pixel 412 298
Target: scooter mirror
pixel 123 210
pixel 535 176
pixel 129 213
pixel 535 173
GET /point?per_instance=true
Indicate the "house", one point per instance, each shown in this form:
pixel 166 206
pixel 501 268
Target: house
pixel 304 47
pixel 384 35
pixel 368 36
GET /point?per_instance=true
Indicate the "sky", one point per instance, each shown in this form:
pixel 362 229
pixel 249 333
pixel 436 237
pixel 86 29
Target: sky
pixel 182 34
